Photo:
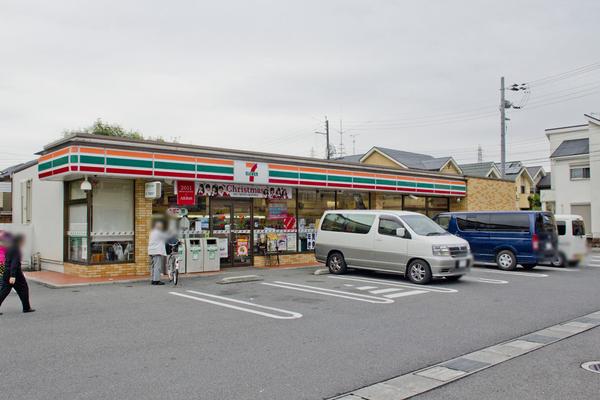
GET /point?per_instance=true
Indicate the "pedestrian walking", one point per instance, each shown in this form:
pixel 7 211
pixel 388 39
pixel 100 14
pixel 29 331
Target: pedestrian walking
pixel 157 251
pixel 13 277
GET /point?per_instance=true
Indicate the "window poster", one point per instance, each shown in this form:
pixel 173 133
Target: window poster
pixel 291 242
pixel 278 210
pixel 223 247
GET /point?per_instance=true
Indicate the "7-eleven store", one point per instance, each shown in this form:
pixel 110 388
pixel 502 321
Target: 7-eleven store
pixel 257 204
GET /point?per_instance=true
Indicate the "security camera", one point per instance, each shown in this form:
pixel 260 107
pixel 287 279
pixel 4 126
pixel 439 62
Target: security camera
pixel 86 185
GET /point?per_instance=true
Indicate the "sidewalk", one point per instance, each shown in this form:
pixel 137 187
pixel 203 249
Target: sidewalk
pixel 57 280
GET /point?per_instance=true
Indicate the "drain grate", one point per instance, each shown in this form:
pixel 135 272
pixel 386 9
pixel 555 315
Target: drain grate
pixel 592 366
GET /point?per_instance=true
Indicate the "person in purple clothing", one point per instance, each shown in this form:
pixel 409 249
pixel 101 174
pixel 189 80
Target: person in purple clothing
pixel 13 277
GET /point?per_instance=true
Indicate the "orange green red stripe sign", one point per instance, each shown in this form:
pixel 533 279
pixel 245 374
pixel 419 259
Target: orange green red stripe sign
pixel 115 162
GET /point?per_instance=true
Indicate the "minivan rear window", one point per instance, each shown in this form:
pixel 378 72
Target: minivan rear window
pixel 544 223
pixel 349 223
pixel 578 228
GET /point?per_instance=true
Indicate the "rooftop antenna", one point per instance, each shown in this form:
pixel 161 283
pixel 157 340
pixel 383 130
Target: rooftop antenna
pixel 479 154
pixel 353 136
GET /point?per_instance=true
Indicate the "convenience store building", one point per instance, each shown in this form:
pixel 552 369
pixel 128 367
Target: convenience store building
pixel 255 203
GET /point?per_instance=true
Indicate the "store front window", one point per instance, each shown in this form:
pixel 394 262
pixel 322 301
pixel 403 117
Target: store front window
pixel 352 200
pixel 311 206
pixel 275 225
pixel 100 223
pixel 387 201
pixel 415 203
pixel 112 228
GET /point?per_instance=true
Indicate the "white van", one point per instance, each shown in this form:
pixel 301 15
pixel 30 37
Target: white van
pixel 572 242
pixel 401 242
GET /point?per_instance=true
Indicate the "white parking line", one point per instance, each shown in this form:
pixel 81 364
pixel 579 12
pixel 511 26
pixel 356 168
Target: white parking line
pixel 436 288
pixel 402 294
pixel 555 269
pixel 286 314
pixel 484 280
pixel 516 273
pixel 386 290
pixel 366 287
pixel 330 292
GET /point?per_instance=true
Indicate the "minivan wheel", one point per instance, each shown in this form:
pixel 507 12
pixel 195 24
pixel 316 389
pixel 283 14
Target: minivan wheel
pixel 419 272
pixel 336 263
pixel 558 260
pixel 506 260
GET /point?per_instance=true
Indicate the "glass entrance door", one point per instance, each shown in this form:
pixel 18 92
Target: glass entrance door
pixel 231 223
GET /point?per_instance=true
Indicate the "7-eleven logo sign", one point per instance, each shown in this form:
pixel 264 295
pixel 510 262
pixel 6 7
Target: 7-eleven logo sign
pixel 251 172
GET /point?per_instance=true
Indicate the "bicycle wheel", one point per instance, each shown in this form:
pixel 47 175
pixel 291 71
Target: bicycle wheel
pixel 175 276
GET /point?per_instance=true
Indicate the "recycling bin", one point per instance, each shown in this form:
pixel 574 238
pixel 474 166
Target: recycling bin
pixel 194 254
pixel 212 261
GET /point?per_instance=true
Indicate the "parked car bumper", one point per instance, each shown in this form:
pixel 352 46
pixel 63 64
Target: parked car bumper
pixel 446 266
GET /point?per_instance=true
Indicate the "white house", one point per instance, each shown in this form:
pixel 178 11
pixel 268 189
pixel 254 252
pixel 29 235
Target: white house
pixel 575 163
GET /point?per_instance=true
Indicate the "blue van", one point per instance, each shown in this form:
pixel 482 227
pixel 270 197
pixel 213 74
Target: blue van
pixel 506 238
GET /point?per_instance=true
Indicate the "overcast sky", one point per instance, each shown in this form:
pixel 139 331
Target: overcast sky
pixel 261 75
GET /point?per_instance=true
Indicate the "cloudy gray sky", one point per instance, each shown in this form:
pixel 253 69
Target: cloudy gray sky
pixel 261 75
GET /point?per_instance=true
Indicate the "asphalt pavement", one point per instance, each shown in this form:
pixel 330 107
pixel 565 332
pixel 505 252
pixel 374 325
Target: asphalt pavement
pixel 291 336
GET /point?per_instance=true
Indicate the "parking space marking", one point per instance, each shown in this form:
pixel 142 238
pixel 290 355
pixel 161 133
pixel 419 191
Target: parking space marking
pixel 437 289
pixel 516 273
pixel 386 290
pixel 330 292
pixel 484 280
pixel 285 313
pixel 366 287
pixel 555 269
pixel 403 294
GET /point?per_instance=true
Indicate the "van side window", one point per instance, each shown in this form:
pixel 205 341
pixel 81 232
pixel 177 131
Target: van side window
pixel 473 222
pixel 349 223
pixel 389 226
pixel 562 228
pixel 507 222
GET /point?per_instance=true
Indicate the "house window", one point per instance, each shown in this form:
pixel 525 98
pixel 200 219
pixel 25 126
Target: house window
pixel 580 172
pixel 522 189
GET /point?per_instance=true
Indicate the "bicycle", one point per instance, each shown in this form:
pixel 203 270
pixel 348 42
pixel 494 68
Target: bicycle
pixel 173 262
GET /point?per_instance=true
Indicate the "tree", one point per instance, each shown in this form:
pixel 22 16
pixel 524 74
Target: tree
pixel 106 129
pixel 534 202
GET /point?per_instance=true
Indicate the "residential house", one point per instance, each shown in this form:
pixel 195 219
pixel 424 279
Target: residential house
pixel 485 191
pixel 6 189
pixel 575 167
pixel 481 170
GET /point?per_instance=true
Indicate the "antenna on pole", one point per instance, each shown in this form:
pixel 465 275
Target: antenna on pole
pixel 341 148
pixel 353 136
pixel 479 154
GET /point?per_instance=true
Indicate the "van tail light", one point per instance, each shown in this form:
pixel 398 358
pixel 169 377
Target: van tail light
pixel 535 242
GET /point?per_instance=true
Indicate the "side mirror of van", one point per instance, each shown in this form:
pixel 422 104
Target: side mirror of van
pixel 400 232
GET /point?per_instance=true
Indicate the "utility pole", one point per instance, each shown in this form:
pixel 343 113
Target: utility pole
pixel 479 154
pixel 326 133
pixel 502 130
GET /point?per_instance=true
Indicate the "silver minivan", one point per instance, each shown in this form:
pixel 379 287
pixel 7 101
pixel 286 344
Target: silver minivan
pixel 401 242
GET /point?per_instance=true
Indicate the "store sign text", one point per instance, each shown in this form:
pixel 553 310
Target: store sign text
pixel 233 190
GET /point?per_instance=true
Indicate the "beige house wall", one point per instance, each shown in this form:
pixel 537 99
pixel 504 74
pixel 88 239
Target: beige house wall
pixel 522 199
pixel 485 194
pixel 378 159
pixel 450 169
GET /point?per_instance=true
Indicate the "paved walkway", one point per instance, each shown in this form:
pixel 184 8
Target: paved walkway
pixel 57 280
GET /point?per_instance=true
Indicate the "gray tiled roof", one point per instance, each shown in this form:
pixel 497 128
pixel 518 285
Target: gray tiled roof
pixel 545 182
pixel 6 173
pixel 512 167
pixel 533 171
pixel 477 169
pixel 410 160
pixel 572 147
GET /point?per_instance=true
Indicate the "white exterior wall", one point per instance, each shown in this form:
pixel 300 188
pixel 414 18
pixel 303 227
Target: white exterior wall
pixel 577 192
pixel 47 203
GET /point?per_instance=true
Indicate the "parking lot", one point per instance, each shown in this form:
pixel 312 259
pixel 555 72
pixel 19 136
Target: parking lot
pixel 292 335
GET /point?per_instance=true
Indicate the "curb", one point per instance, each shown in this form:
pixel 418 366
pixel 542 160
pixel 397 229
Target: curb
pixel 437 375
pixel 239 279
